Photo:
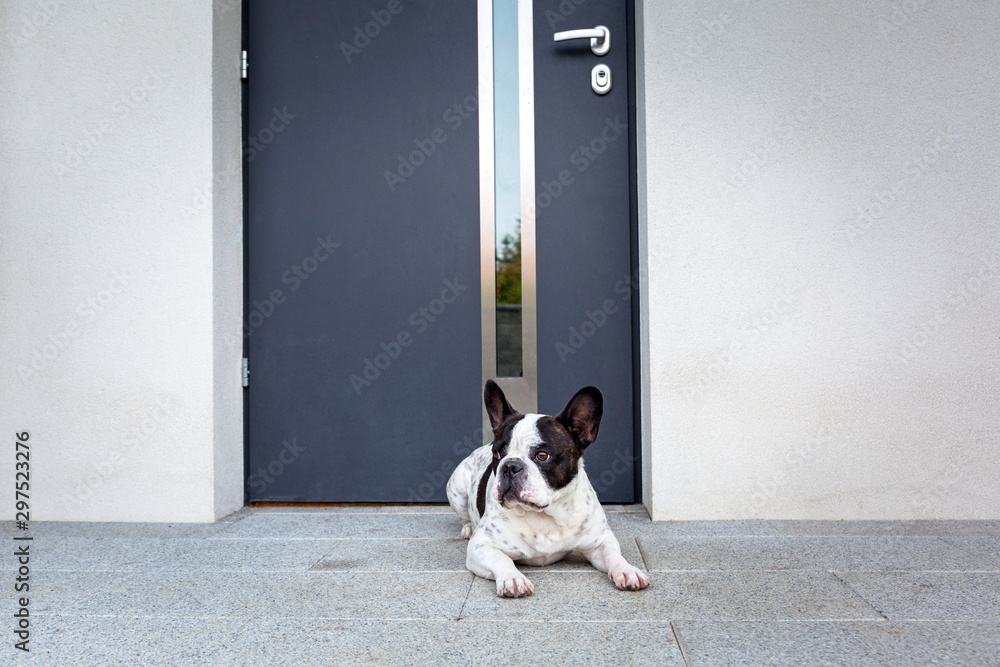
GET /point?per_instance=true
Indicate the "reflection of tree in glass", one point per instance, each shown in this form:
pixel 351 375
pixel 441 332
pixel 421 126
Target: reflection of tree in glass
pixel 509 269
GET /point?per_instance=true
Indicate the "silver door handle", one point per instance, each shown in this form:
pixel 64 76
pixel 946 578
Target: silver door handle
pixel 600 38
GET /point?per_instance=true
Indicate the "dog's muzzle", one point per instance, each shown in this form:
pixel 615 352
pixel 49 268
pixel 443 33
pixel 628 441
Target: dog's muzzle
pixel 510 485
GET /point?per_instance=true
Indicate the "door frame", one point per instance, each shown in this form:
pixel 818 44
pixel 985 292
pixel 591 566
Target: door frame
pixel 638 352
pixel 639 438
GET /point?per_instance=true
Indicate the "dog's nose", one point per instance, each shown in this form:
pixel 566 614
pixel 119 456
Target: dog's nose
pixel 513 468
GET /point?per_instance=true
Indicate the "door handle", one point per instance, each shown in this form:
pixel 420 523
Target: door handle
pixel 599 36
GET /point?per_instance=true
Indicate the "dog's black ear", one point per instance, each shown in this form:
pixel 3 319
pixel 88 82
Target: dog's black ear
pixel 497 406
pixel 582 415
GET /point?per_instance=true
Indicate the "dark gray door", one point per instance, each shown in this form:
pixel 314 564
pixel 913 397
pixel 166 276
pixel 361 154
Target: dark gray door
pixel 363 319
pixel 583 232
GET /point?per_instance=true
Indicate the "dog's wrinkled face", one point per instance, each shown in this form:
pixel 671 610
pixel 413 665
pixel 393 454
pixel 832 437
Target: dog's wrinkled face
pixel 535 456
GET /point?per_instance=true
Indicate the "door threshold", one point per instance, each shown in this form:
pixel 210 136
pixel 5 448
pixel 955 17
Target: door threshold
pixel 277 503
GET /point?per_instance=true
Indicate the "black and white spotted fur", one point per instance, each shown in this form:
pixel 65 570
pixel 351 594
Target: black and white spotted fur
pixel 526 497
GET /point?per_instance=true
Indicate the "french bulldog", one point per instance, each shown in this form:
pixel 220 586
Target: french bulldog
pixel 526 498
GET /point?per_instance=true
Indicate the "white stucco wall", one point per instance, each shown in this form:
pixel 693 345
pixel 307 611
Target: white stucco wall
pixel 819 186
pixel 120 262
pixel 823 327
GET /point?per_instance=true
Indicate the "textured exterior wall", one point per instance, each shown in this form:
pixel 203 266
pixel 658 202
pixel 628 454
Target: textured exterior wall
pixel 820 201
pixel 120 263
pixel 819 228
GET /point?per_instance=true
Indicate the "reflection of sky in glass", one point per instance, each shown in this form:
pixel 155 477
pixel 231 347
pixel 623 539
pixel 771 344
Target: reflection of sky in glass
pixel 505 118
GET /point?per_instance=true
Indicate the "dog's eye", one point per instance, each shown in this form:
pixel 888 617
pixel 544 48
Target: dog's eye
pixel 496 455
pixel 542 456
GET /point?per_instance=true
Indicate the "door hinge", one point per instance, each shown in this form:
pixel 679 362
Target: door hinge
pixel 243 75
pixel 246 372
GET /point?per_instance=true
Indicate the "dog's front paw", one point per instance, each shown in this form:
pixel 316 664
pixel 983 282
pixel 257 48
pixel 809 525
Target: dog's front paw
pixel 467 531
pixel 514 586
pixel 628 577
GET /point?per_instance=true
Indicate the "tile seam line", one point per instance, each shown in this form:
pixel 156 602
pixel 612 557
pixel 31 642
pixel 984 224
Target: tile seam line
pixel 820 568
pixel 465 601
pixel 582 570
pixel 784 536
pixel 320 559
pixel 532 621
pixel 443 620
pixel 681 645
pixel 283 538
pixel 945 538
pixel 878 611
pixel 645 563
pixel 255 570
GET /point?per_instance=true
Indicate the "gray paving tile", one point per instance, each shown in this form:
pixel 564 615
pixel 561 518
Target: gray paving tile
pixel 63 592
pixel 888 528
pixel 436 555
pixel 839 643
pixel 369 595
pixel 465 642
pixel 339 525
pixel 958 528
pixel 44 530
pixel 216 594
pixel 246 595
pixel 589 596
pixel 945 596
pixel 441 508
pixel 429 555
pixel 402 555
pixel 238 515
pixel 633 524
pixel 90 640
pixel 840 528
pixel 317 509
pixel 631 509
pixel 130 555
pixel 802 553
pixel 576 561
pixel 987 549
